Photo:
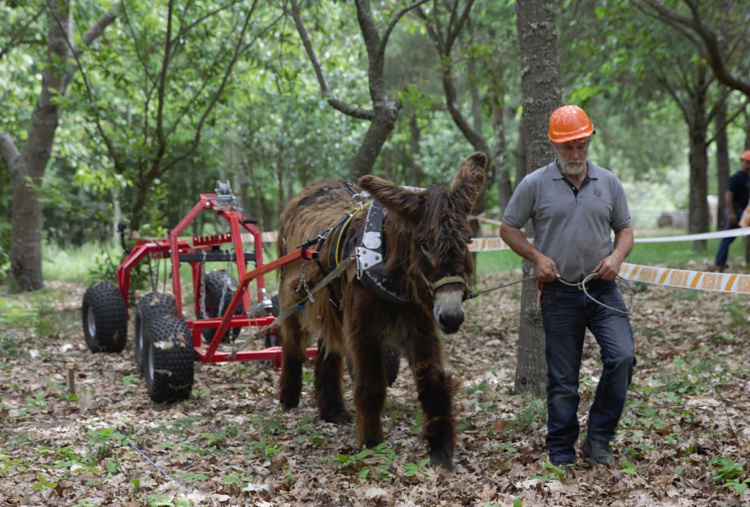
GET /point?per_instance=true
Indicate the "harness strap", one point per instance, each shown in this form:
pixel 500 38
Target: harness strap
pixel 294 308
pixel 370 256
pixel 443 281
pixel 338 232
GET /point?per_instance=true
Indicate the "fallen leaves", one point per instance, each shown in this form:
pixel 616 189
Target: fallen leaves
pixel 686 422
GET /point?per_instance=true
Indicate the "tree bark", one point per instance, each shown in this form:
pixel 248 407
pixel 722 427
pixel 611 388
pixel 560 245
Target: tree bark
pixel 521 153
pixel 26 222
pixel 722 161
pixel 540 89
pixel 698 206
pixel 502 172
pixel 415 179
pixel 27 167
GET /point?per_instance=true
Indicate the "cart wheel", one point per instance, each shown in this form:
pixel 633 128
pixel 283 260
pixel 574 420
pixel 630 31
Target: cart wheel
pixel 105 322
pixel 392 361
pixel 151 306
pixel 168 360
pixel 220 282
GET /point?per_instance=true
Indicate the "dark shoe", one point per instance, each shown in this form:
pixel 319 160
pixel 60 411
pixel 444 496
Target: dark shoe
pixel 597 452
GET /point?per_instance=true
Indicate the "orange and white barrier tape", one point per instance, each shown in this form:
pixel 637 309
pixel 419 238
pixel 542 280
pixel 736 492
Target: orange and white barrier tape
pixel 699 280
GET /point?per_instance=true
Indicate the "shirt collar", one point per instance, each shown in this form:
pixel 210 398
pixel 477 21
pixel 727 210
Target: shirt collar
pixel 554 173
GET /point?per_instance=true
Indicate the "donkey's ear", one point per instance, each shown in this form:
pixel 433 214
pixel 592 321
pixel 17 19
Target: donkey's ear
pixel 402 201
pixel 468 182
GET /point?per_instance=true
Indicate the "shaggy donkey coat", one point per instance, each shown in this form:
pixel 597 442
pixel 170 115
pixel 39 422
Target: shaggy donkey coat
pixel 426 236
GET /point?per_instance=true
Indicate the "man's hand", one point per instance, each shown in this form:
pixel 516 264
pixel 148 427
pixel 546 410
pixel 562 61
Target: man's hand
pixel 546 269
pixel 732 218
pixel 609 267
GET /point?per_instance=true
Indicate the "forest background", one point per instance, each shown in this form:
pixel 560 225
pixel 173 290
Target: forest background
pixel 143 125
pixel 127 111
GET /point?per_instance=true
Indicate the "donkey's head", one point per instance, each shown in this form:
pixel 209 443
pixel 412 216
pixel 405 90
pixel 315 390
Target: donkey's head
pixel 436 227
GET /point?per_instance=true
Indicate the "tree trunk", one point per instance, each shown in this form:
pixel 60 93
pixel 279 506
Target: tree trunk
pixel 540 88
pixel 502 174
pixel 416 169
pixel 722 161
pixel 26 223
pixel 698 207
pixel 388 164
pixel 380 128
pixel 521 153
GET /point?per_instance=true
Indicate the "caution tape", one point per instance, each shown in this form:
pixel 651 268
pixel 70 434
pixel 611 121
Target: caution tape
pixel 699 280
pixel 732 233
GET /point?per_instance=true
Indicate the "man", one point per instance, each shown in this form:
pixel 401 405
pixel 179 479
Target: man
pixel 735 200
pixel 574 205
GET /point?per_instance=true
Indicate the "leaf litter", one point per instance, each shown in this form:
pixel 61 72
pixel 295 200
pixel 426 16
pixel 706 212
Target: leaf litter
pixel 684 438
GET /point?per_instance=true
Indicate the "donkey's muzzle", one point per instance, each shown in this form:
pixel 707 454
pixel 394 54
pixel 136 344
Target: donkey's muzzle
pixel 449 312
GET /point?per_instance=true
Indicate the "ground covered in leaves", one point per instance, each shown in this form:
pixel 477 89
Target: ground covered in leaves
pixel 684 438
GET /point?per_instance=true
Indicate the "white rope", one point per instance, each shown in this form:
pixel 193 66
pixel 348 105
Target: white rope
pixel 629 289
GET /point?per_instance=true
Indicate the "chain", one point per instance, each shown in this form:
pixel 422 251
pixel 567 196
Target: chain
pixel 302 285
pixel 203 287
pixel 227 285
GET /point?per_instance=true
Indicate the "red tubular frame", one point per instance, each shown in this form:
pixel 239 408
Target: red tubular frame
pixel 174 247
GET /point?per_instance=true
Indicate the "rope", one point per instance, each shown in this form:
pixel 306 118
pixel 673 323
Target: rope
pixel 625 286
pixel 157 467
pixel 474 294
pixel 629 289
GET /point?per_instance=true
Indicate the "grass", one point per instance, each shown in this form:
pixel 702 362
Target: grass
pixel 71 264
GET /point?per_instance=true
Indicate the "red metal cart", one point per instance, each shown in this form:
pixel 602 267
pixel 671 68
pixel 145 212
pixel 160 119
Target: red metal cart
pixel 166 344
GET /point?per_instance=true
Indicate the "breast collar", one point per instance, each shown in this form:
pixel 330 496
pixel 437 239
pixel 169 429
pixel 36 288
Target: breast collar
pixel 371 254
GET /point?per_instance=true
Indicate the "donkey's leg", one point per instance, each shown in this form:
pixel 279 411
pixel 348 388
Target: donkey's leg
pixel 293 342
pixel 328 386
pixel 369 372
pixel 436 389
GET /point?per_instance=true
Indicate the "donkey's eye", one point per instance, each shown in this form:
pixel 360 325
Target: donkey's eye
pixel 430 257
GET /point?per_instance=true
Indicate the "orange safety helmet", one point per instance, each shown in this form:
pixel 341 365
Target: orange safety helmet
pixel 569 123
pixel 745 155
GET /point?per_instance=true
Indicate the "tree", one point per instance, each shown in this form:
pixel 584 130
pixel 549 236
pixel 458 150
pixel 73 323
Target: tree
pixel 28 164
pixel 447 24
pixel 724 50
pixel 540 87
pixel 385 111
pixel 169 75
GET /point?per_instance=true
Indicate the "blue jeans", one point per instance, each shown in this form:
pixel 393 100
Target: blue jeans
pixel 566 313
pixel 723 252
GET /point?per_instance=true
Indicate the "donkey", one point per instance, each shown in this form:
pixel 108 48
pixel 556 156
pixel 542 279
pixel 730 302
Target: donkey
pixel 426 233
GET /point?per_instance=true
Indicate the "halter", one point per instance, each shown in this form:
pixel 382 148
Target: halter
pixel 444 281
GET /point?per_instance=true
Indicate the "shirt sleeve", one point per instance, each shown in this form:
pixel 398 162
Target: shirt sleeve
pixel 521 205
pixel 620 210
pixel 735 183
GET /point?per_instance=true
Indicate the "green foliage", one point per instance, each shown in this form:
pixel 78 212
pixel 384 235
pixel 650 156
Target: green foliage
pixel 737 314
pixel 726 469
pixel 533 411
pixel 552 472
pixel 372 464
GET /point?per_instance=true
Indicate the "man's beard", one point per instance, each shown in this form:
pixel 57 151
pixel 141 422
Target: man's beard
pixel 573 168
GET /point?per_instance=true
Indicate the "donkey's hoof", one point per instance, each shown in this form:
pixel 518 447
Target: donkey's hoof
pixel 373 442
pixel 289 403
pixel 340 417
pixel 442 458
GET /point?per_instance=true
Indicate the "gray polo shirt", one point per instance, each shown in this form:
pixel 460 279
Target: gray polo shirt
pixel 573 230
